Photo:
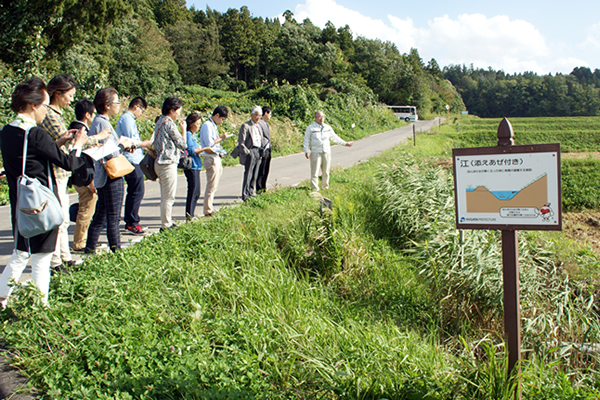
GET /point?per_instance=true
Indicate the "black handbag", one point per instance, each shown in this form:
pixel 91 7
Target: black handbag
pixel 147 167
pixel 185 161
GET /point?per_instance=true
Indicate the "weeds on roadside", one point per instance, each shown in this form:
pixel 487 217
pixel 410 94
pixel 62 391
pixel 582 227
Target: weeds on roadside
pixel 463 271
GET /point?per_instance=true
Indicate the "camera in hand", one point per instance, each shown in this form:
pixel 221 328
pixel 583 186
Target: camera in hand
pixel 129 149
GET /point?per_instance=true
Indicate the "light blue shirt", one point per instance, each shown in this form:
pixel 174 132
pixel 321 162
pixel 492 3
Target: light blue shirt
pixel 208 135
pixel 128 128
pixel 192 145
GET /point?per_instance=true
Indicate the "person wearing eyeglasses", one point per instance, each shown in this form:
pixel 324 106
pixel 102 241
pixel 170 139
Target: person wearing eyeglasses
pixel 168 143
pixel 209 137
pixel 110 191
pixel 82 179
pixel 249 143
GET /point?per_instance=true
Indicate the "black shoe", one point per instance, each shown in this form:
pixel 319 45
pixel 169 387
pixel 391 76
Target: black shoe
pixel 61 268
pixel 168 228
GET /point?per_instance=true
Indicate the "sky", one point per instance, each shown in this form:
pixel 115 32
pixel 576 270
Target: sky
pixel 513 36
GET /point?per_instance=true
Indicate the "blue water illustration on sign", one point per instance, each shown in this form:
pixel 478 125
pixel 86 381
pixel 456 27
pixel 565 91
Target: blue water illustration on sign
pixel 501 194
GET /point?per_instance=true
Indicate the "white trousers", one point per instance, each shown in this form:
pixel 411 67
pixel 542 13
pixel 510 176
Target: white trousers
pixel 167 178
pixel 214 170
pixel 40 272
pixel 62 251
pixel 319 161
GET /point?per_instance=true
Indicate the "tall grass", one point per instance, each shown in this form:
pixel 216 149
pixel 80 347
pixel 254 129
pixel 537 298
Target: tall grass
pixel 464 272
pixel 212 311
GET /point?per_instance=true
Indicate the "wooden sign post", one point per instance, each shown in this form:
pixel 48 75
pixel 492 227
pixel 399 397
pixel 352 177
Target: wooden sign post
pixel 510 276
pixel 509 188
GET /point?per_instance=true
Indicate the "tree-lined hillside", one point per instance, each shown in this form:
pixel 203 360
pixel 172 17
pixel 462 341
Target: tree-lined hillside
pixel 491 94
pixel 144 47
pixel 153 47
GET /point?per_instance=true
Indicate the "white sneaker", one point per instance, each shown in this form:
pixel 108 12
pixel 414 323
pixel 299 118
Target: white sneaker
pixel 103 248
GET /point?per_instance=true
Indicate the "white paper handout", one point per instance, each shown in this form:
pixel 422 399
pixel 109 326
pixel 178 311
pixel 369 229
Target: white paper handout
pixel 102 151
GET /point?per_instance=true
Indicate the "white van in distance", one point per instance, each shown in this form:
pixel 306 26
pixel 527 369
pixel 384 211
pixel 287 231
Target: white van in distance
pixel 407 113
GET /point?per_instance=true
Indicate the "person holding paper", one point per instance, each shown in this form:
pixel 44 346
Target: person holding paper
pixel 127 128
pixel 110 191
pixel 209 137
pixel 168 143
pixel 249 144
pixel 82 179
pixel 61 90
pixel 192 175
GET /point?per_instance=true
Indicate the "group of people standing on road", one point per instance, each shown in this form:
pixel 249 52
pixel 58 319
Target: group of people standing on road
pixel 56 157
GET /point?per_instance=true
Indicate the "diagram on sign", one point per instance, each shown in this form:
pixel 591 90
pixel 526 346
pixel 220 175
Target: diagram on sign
pixel 528 202
pixel 521 188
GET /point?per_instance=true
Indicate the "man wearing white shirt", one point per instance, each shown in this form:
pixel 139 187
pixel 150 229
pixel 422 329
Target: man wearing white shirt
pixel 250 141
pixel 209 137
pixel 318 150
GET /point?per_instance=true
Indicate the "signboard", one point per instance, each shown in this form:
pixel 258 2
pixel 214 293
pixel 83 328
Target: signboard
pixel 508 187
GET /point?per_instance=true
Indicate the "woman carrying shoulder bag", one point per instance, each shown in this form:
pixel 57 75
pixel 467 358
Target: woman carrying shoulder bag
pixel 192 175
pixel 110 191
pixel 168 144
pixel 31 101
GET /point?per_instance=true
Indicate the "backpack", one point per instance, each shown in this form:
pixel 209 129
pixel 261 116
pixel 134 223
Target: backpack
pixel 84 175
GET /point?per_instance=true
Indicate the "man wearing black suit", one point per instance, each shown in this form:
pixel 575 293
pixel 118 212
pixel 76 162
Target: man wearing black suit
pixel 265 159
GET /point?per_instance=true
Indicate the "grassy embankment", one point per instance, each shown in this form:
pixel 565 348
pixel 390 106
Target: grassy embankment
pixel 276 299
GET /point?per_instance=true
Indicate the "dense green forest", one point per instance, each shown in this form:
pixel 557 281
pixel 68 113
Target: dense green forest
pixel 153 47
pixel 491 94
pixel 156 47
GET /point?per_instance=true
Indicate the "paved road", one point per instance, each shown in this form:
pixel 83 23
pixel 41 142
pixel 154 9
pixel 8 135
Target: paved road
pixel 285 171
